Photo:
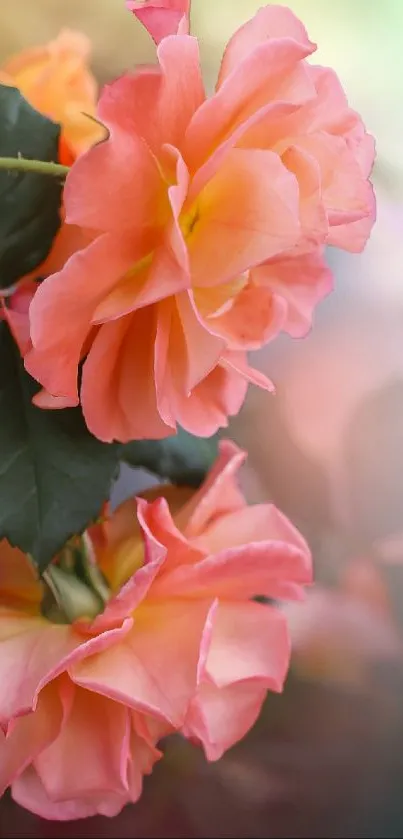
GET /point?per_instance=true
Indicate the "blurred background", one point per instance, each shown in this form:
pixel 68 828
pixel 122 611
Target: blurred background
pixel 326 758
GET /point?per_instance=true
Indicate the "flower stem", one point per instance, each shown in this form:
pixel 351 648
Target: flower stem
pixel 41 167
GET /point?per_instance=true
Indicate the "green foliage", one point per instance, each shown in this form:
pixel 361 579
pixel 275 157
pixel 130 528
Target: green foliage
pixel 183 459
pixel 54 476
pixel 29 202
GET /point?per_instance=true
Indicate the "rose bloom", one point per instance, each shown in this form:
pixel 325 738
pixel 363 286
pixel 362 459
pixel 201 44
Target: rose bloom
pixel 209 217
pixel 181 644
pixel 57 81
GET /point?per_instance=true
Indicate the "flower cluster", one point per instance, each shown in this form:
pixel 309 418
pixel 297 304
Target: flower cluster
pixel 193 230
pixel 160 632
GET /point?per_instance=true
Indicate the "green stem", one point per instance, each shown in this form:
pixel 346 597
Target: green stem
pixel 41 167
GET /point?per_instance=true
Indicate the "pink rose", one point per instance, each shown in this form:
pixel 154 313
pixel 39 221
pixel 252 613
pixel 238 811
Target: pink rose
pixel 210 217
pixel 181 645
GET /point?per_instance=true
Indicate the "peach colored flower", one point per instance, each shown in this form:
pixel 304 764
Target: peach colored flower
pixel 181 644
pixel 162 17
pixel 57 81
pixel 211 217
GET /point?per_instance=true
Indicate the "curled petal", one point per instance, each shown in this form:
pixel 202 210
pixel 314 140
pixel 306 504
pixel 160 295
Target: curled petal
pixel 219 717
pixel 100 730
pixel 155 670
pixel 249 641
pixel 278 566
pixel 111 402
pixel 299 283
pixel 218 494
pixel 162 17
pixel 61 311
pixel 271 23
pixel 28 791
pixel 245 215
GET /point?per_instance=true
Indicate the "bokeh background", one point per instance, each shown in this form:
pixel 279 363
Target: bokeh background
pixel 326 758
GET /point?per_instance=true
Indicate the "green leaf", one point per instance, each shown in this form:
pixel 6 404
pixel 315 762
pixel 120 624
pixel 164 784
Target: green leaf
pixel 29 203
pixel 54 476
pixel 183 459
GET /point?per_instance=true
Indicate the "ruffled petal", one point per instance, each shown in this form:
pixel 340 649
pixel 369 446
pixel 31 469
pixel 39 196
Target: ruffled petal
pixel 157 103
pixel 161 17
pixel 28 736
pixel 219 493
pixel 62 308
pixel 101 187
pixel 278 566
pixel 210 404
pixel 300 282
pixel 29 792
pixel 256 64
pixel 115 408
pixel 219 717
pixel 246 214
pixel 249 641
pixel 33 652
pixel 271 23
pixel 91 753
pixel 154 669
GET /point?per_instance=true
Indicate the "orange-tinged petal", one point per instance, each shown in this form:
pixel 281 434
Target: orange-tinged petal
pixel 249 641
pixel 30 648
pixel 155 669
pixel 157 103
pixel 121 404
pixel 161 273
pixel 29 792
pixel 354 235
pixel 254 317
pixel 246 214
pixel 235 361
pixel 256 72
pixel 207 408
pixel 218 494
pixel 314 222
pixel 161 17
pixel 34 651
pixel 100 187
pixel 28 736
pixel 15 311
pixel 135 589
pixel 258 523
pixel 43 399
pixel 63 306
pixel 185 353
pixel 219 718
pixel 160 524
pixel 347 196
pixel 271 23
pixel 91 753
pixel 273 568
pixel 57 81
pixel 19 582
pixel 300 283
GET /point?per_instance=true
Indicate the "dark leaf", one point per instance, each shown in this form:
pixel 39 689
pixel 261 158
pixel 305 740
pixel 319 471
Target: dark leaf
pixel 29 203
pixel 183 459
pixel 54 476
